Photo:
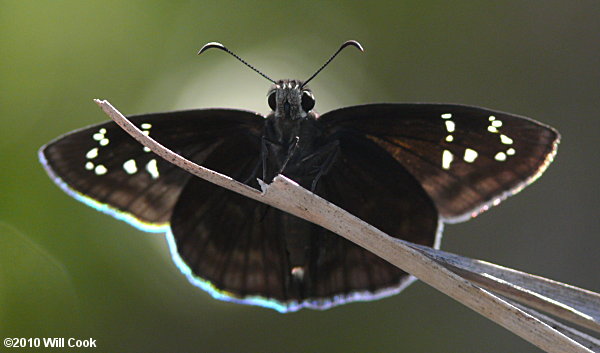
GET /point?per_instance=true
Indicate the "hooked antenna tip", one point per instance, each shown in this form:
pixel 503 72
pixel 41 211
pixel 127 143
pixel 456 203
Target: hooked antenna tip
pixel 346 44
pixel 353 43
pixel 218 45
pixel 212 45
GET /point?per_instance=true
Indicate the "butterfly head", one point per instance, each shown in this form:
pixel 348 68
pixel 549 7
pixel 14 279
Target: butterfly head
pixel 290 100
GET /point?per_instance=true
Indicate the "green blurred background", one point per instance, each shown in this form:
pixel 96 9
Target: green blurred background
pixel 69 271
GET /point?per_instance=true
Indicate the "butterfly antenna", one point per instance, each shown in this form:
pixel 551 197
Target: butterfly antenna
pixel 347 43
pixel 217 45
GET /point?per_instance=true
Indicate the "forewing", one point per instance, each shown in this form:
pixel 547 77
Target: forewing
pixel 103 166
pixel 466 158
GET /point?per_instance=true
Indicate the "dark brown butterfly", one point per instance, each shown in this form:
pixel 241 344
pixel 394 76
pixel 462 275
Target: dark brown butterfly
pixel 404 168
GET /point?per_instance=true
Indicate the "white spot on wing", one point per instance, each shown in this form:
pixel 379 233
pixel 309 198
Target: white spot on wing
pixel 130 167
pixel 152 169
pixel 450 125
pixel 511 151
pixel 99 135
pixel 104 142
pixel 496 123
pixel 100 169
pixel 447 158
pixel 449 138
pixel 500 156
pixel 89 166
pixel 146 149
pixel 470 155
pixel 298 272
pixel 146 126
pixel 506 140
pixel 446 116
pixel 91 154
pixel 492 129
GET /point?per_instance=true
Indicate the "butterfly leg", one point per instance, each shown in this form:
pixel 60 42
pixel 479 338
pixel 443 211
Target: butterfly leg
pixel 273 157
pixel 331 150
pixel 293 147
pixel 264 152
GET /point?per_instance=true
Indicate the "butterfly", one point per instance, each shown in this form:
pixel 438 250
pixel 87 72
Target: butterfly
pixel 404 168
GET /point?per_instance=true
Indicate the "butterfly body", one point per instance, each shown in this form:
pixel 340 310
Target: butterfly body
pixel 404 168
pixel 291 143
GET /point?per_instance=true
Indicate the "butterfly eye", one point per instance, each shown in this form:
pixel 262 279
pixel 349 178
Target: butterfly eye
pixel 308 101
pixel 272 100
